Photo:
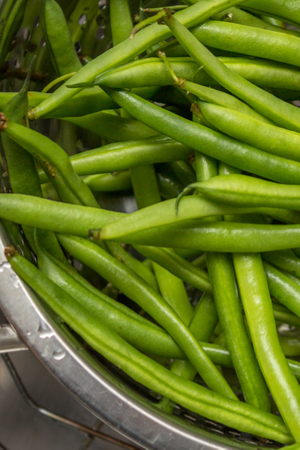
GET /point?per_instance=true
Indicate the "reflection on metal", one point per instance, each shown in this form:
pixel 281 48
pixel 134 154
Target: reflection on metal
pixel 30 402
pixel 10 341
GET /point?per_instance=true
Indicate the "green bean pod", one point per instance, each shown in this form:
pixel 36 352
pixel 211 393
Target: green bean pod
pixel 121 156
pixel 134 264
pixel 278 111
pixel 283 315
pixel 120 20
pixel 209 142
pixel 285 290
pixel 112 127
pixel 54 161
pixel 286 260
pixel 144 370
pixel 139 332
pixel 134 287
pixel 236 15
pixel 244 40
pixel 58 39
pixel 52 215
pixel 229 309
pixel 21 167
pixel 153 72
pixel 267 137
pixel 242 190
pixel 288 10
pixel 190 208
pixel 178 266
pixel 258 309
pixel 12 17
pixel 127 50
pixel 173 291
pixel 218 236
pixel 109 182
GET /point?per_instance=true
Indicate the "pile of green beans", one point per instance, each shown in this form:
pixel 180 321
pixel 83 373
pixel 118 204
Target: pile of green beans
pixel 199 135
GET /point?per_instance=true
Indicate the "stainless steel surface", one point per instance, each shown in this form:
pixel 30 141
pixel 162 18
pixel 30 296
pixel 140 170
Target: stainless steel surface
pixel 9 340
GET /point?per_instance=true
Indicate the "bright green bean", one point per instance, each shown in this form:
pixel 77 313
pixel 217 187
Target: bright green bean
pixel 58 39
pixel 218 236
pixel 258 309
pixel 134 287
pixel 244 190
pixel 229 310
pixel 151 374
pixel 267 137
pixel 280 112
pixel 178 266
pixel 127 50
pixel 207 141
pixel 54 161
pixel 125 155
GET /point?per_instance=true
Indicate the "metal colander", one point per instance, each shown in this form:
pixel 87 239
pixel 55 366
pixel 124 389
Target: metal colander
pixel 101 387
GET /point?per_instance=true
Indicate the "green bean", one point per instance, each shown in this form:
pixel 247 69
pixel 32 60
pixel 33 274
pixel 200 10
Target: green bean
pixel 136 330
pixel 285 290
pixel 288 10
pixel 236 15
pixel 58 39
pixel 168 183
pixel 118 181
pixel 244 40
pixel 290 346
pixel 229 310
pixel 209 142
pixel 178 266
pixel 258 309
pixel 291 277
pixel 121 254
pixel 21 167
pixel 217 236
pixel 54 161
pixel 244 190
pixel 283 315
pixel 280 112
pixel 191 208
pixel 120 20
pixel 112 127
pixel 53 216
pixel 145 185
pixel 152 72
pixel 134 287
pixel 125 155
pixel 286 260
pixel 90 10
pixel 127 50
pixel 203 92
pixel 267 137
pixel 173 291
pixel 12 16
pixel 202 324
pixel 151 374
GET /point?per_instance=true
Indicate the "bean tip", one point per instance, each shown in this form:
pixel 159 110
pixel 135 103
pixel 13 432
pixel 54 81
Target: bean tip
pixel 95 234
pixel 31 114
pixel 10 252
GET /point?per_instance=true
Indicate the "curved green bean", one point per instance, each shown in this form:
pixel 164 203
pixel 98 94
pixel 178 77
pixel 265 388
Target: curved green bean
pixel 209 142
pixel 127 50
pixel 258 309
pixel 151 374
pixel 134 287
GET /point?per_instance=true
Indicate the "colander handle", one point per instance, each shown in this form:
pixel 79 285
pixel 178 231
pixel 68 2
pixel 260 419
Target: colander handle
pixel 9 340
